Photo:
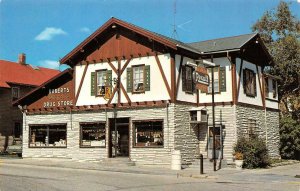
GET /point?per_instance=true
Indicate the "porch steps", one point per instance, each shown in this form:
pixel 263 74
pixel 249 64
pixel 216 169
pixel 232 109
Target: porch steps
pixel 119 161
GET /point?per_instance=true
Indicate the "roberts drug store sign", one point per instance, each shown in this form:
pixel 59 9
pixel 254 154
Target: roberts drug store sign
pixel 60 97
pixel 57 93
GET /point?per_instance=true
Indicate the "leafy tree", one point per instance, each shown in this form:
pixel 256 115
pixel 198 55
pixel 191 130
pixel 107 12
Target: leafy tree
pixel 280 30
pixel 289 138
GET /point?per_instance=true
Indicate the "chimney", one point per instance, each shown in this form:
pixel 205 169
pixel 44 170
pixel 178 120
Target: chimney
pixel 22 58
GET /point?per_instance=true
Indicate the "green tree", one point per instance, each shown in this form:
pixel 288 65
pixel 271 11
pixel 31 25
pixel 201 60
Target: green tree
pixel 289 138
pixel 280 30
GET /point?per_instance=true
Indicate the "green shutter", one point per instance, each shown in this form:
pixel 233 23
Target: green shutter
pixel 147 78
pixel 222 79
pixel 129 80
pixel 109 78
pixel 93 83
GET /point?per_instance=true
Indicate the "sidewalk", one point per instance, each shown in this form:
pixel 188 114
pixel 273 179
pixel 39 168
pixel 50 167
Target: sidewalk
pixel 70 164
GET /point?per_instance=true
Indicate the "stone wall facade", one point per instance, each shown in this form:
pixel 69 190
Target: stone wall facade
pixel 145 156
pixel 267 126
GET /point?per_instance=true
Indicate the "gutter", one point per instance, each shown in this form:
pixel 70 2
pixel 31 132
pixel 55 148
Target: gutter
pixel 223 51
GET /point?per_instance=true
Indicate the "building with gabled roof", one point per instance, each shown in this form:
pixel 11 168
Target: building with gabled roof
pixel 132 93
pixel 17 79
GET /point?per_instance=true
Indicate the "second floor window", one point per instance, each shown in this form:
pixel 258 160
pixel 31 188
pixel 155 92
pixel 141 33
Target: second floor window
pixel 216 81
pixel 249 82
pixel 138 78
pixel 187 79
pixel 101 82
pixel 15 92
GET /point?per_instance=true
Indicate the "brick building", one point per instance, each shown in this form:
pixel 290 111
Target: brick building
pixel 17 79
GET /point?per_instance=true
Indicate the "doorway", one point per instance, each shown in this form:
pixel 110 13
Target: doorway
pixel 218 142
pixel 118 137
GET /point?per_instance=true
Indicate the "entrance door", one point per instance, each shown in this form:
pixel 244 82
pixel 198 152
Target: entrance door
pixel 218 142
pixel 119 137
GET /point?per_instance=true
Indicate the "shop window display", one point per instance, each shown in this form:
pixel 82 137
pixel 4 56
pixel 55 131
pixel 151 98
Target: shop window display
pixel 149 134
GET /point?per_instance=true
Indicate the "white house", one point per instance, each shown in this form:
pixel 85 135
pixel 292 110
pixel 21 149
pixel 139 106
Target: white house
pixel 131 93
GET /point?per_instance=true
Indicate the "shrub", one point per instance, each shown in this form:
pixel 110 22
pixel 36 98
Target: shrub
pixel 254 151
pixel 289 138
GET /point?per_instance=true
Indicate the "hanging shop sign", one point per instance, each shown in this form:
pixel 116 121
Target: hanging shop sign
pixel 201 79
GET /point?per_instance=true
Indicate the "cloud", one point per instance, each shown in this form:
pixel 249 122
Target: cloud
pixel 298 1
pixel 85 30
pixel 49 32
pixel 49 64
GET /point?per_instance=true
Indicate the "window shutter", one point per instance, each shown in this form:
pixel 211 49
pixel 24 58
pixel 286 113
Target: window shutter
pixel 93 83
pixel 183 78
pixel 147 78
pixel 129 80
pixel 222 79
pixel 109 78
pixel 244 81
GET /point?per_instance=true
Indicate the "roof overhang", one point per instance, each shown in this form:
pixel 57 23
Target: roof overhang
pixel 22 100
pixel 112 24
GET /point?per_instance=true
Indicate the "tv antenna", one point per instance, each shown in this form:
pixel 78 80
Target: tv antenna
pixel 174 34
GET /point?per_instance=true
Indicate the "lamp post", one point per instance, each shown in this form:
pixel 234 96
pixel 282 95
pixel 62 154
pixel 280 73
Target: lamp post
pixel 210 64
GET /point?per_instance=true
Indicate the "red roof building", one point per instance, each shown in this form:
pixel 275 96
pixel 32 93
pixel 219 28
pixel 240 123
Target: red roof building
pixel 17 79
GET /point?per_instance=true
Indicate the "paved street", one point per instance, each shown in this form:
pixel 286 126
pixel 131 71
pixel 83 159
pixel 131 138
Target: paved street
pixel 17 177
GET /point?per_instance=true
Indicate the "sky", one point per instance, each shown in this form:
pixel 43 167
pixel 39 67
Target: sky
pixel 47 30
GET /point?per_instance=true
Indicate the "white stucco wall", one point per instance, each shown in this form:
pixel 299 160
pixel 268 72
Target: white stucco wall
pixel 183 96
pixel 158 90
pixel 222 96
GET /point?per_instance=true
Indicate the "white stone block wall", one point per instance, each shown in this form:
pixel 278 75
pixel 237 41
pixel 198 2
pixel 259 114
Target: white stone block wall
pixel 227 116
pixel 161 156
pixel 267 126
pixel 273 139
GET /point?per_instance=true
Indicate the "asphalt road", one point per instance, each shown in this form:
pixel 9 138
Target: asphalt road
pixel 16 177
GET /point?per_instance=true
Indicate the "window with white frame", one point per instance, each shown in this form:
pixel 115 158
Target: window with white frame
pixel 101 82
pixel 216 81
pixel 138 78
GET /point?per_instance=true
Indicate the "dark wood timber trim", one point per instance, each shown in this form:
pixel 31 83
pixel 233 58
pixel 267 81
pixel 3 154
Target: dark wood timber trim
pixel 163 76
pixel 81 82
pixel 93 108
pixel 250 106
pixel 240 77
pixel 125 93
pixel 119 81
pixel 113 94
pixel 260 87
pixel 125 66
pixel 173 79
pixel 272 100
pixel 179 72
pixel 273 110
pixel 233 78
pixel 112 66
pixel 186 103
pixel 217 103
